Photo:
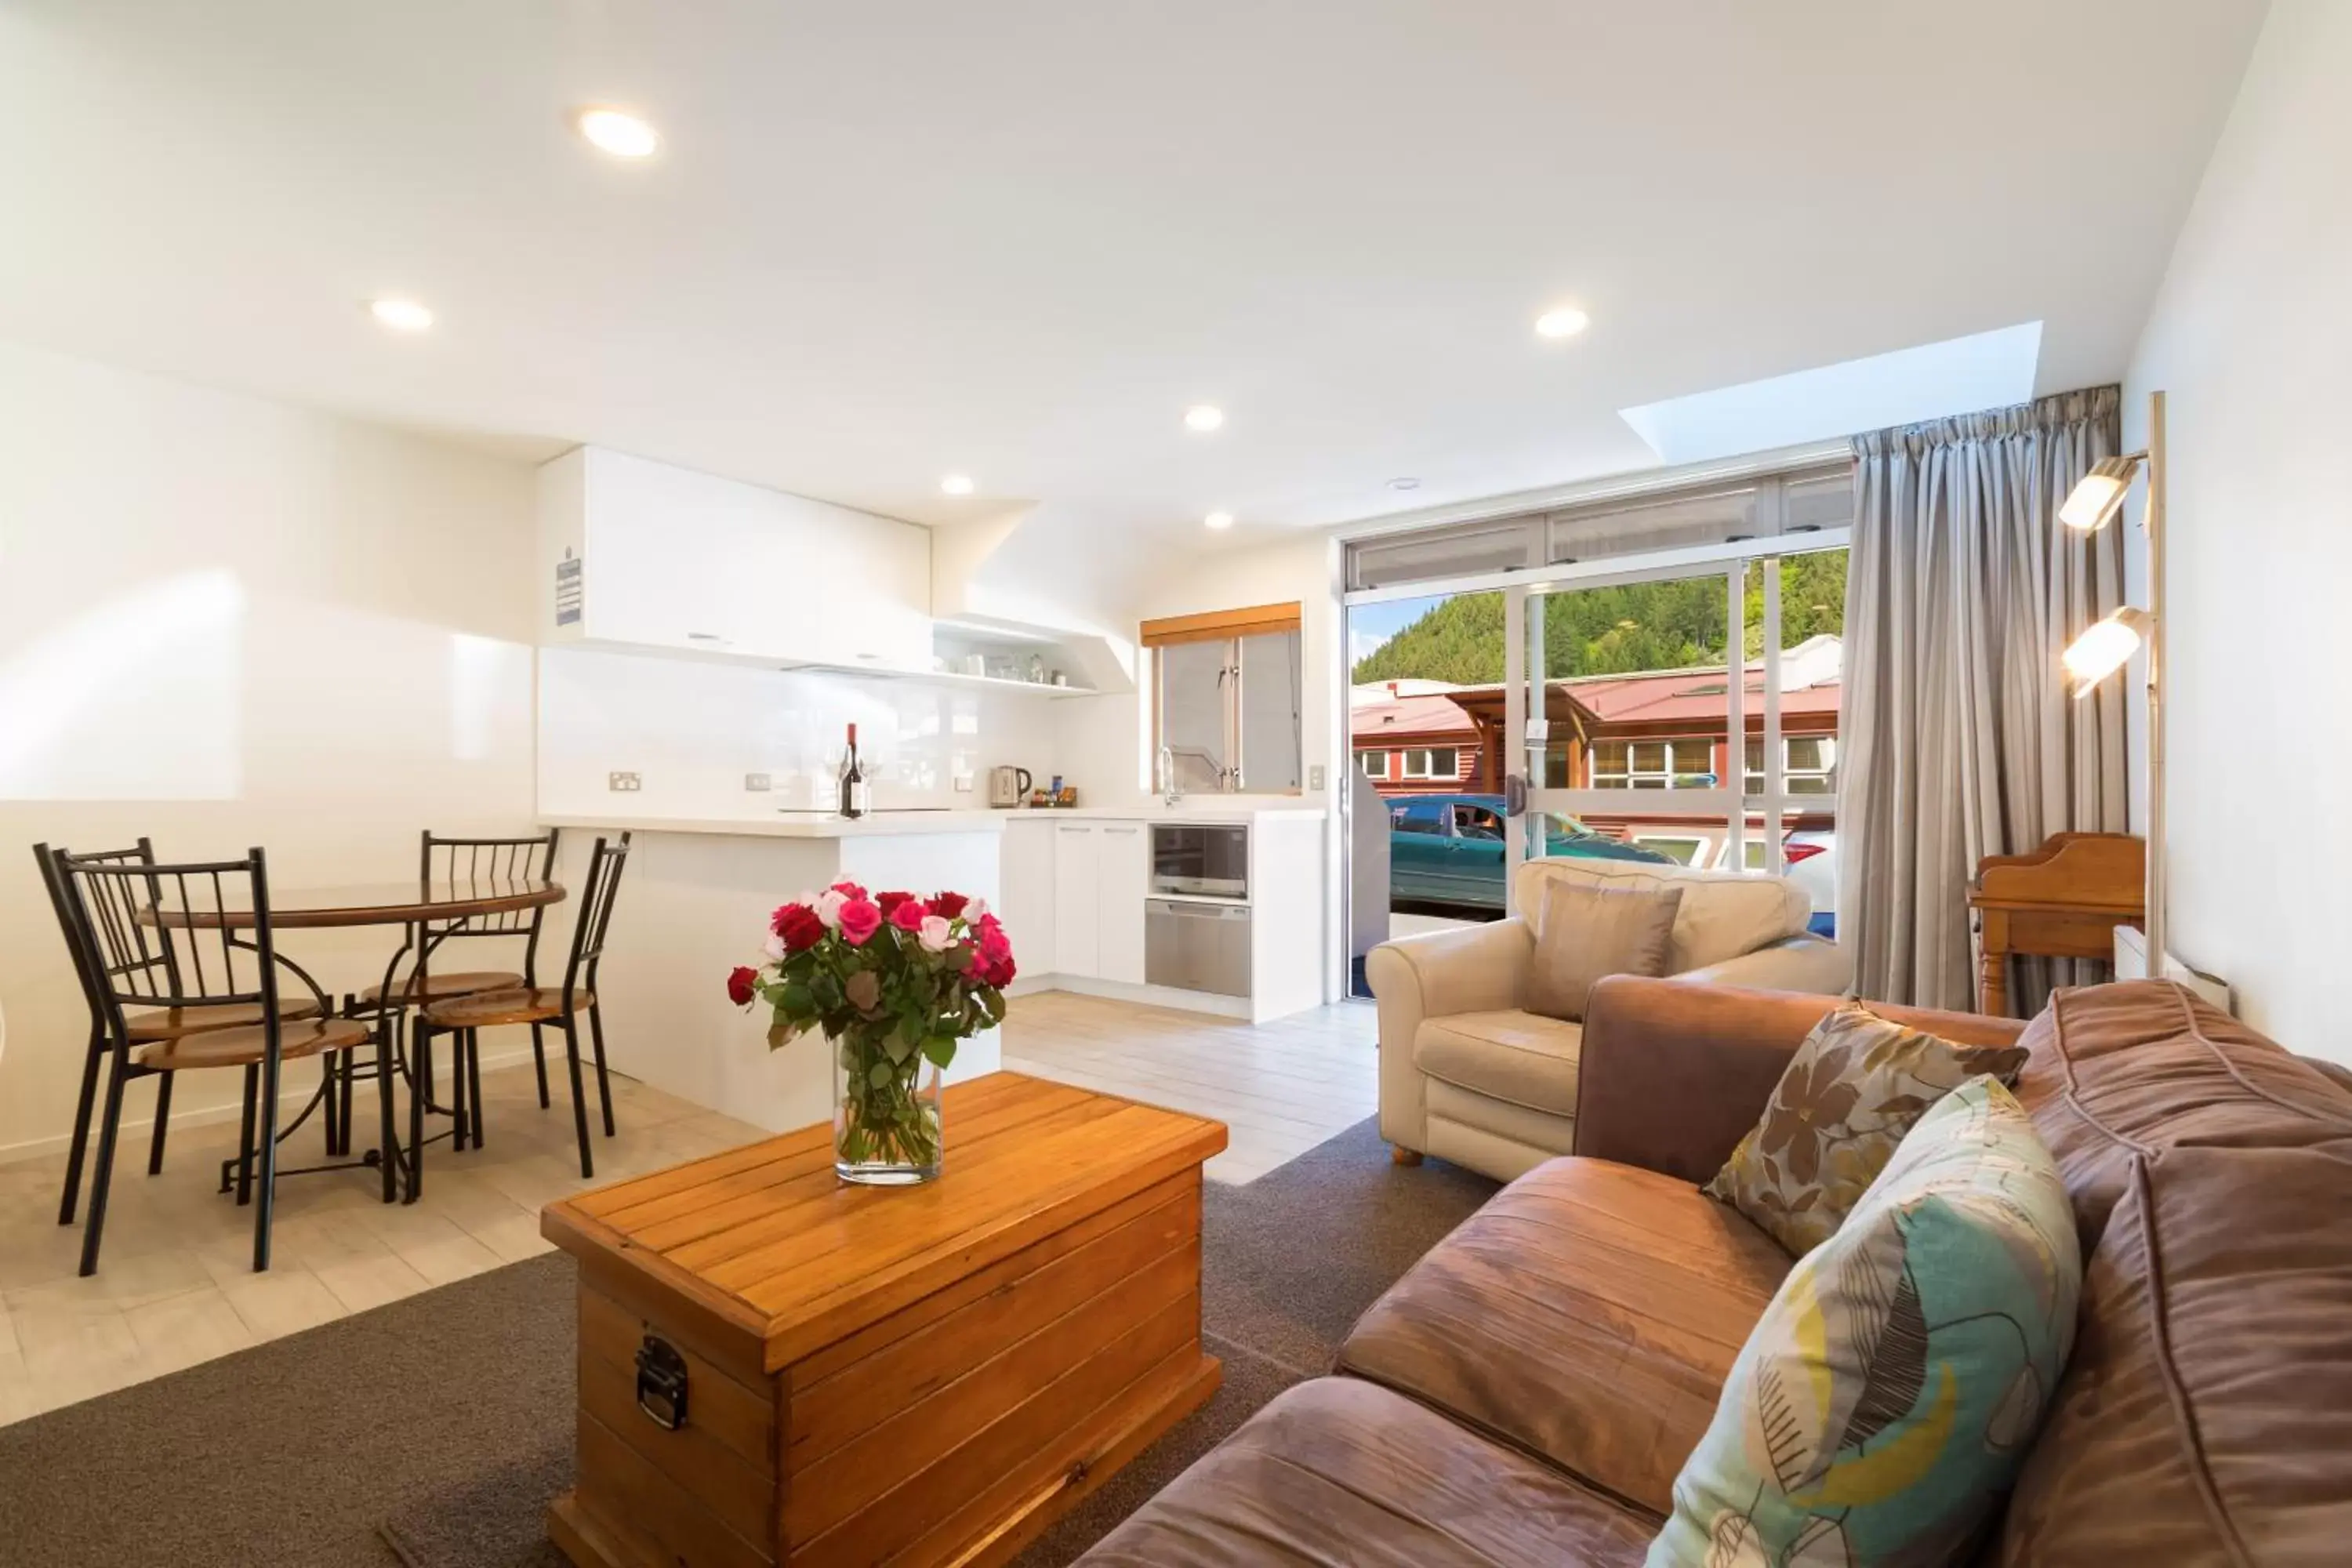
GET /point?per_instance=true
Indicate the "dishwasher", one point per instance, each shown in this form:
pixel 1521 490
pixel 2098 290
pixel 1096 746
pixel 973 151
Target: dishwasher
pixel 1197 944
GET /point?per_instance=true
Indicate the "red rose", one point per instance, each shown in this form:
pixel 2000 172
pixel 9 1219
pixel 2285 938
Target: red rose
pixel 997 972
pixel 994 943
pixel 947 906
pixel 848 890
pixel 798 928
pixel 907 914
pixel 742 985
pixel 860 919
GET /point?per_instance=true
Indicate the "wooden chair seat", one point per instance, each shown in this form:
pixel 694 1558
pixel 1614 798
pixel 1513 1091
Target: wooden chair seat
pixel 495 1007
pixel 459 983
pixel 172 1023
pixel 245 1047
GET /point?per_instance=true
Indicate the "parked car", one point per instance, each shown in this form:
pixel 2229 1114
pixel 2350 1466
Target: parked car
pixel 1811 854
pixel 1449 848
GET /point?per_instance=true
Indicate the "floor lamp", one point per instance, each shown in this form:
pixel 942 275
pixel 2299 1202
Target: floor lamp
pixel 2107 646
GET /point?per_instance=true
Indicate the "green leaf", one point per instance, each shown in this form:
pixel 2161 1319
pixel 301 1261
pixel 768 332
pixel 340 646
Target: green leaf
pixel 880 1075
pixel 939 1050
pixel 992 1001
pixel 899 1049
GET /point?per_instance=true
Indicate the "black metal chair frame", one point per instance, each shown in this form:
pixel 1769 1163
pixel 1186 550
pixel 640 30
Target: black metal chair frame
pixel 606 863
pixel 464 861
pixel 128 947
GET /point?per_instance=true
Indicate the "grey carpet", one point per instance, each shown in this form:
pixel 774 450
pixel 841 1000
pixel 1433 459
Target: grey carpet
pixel 432 1432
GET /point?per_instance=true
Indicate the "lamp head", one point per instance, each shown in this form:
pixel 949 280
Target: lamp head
pixel 2106 647
pixel 2098 495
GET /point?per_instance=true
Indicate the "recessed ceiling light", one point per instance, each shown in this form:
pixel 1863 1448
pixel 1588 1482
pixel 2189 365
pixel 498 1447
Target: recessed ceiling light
pixel 621 135
pixel 401 315
pixel 1564 322
pixel 1407 483
pixel 1204 417
pixel 1219 519
pixel 957 485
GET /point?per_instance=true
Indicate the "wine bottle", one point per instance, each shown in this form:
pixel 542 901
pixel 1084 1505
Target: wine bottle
pixel 856 794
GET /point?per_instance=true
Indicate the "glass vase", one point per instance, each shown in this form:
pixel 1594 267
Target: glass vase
pixel 886 1129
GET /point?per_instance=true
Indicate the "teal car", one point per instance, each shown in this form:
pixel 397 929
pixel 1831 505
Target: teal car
pixel 1448 849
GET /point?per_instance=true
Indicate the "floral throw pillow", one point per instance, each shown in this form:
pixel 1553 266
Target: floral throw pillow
pixel 1852 1092
pixel 1885 1399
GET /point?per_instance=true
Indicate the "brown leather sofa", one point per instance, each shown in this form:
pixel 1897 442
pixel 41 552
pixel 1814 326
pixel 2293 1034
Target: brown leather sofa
pixel 1527 1392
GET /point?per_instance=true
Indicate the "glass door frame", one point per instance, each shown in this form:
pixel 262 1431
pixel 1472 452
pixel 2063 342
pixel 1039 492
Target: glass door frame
pixel 1527 727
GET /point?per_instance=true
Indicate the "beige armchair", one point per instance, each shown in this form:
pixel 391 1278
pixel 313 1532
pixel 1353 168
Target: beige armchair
pixel 1468 1075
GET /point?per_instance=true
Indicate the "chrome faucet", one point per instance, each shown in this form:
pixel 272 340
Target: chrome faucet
pixel 1170 794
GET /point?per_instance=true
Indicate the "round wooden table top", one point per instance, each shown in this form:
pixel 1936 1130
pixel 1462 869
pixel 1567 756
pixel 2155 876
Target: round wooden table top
pixel 372 904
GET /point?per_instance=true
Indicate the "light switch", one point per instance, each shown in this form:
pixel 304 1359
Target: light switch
pixel 757 783
pixel 1314 776
pixel 623 782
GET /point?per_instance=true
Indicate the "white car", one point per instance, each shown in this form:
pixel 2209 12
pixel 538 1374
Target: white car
pixel 1812 864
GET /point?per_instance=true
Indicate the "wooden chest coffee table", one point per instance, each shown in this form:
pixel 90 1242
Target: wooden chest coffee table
pixel 778 1369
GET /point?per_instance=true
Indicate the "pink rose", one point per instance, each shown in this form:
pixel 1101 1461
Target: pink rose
pixel 994 944
pixel 936 934
pixel 848 890
pixel 860 919
pixel 908 916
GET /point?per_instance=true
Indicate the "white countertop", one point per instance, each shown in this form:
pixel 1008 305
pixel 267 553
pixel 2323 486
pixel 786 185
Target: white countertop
pixel 799 824
pixel 825 825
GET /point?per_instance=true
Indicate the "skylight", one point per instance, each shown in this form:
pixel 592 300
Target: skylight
pixel 1959 375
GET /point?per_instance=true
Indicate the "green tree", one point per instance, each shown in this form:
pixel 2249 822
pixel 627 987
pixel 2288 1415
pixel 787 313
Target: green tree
pixel 1615 630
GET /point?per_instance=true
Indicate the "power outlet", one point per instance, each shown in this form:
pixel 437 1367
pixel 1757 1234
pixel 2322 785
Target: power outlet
pixel 758 784
pixel 623 784
pixel 1315 778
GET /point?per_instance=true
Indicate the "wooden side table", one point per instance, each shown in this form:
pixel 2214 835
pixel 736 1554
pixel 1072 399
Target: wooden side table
pixel 2061 900
pixel 778 1369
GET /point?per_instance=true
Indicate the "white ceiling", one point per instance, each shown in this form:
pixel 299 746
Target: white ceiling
pixel 889 239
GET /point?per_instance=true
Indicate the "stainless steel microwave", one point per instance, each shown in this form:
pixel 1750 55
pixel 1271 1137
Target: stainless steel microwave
pixel 1191 860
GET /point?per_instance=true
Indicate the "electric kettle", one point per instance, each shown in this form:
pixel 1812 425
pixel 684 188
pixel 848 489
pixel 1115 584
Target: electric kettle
pixel 1008 786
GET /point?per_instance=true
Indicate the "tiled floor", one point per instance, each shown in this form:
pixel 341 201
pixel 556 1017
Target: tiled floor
pixel 174 1283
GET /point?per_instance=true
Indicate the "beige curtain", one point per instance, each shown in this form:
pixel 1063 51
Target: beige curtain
pixel 1960 736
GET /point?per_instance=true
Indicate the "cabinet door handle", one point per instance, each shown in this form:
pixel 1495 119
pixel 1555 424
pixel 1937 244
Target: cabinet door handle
pixel 1128 830
pixel 704 636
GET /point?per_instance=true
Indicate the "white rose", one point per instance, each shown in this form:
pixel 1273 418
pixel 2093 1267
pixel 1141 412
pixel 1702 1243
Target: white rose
pixel 773 947
pixel 973 911
pixel 936 936
pixel 828 908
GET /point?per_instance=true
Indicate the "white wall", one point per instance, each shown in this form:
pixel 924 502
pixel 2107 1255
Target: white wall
pixel 692 729
pixel 2252 340
pixel 225 621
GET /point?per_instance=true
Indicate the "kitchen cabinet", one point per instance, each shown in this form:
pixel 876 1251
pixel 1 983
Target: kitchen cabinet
pixel 1122 879
pixel 640 554
pixel 1077 899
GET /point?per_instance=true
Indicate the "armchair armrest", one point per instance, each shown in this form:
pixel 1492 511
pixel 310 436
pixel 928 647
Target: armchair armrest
pixel 1805 964
pixel 1673 1074
pixel 1481 969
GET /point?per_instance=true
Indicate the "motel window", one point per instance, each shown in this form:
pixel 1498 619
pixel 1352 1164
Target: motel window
pixel 1808 764
pixel 1375 763
pixel 1683 763
pixel 1433 762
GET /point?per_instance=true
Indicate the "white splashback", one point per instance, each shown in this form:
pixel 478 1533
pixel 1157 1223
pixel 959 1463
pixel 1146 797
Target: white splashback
pixel 690 731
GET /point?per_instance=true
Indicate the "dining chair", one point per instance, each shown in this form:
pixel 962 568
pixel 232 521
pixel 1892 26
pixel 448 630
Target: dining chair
pixel 475 863
pixel 542 1006
pixel 146 1026
pixel 164 939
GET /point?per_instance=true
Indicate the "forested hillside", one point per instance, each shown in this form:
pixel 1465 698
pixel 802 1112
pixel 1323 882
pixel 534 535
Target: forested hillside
pixel 1612 631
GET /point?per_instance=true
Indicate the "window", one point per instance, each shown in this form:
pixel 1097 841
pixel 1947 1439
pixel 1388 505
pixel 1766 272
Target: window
pixel 1412 819
pixel 1687 762
pixel 1808 764
pixel 1374 763
pixel 1433 762
pixel 1225 701
pixel 1477 822
pixel 1682 850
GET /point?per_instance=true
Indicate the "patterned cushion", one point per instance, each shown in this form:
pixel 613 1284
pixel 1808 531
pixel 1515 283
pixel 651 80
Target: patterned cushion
pixel 1852 1090
pixel 1890 1391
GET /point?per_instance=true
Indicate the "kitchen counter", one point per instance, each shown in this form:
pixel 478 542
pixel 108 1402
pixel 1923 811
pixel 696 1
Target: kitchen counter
pixel 798 823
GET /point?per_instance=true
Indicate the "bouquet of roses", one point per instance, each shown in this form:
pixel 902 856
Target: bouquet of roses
pixel 896 982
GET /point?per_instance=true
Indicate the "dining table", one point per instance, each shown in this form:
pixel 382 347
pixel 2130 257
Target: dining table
pixel 422 910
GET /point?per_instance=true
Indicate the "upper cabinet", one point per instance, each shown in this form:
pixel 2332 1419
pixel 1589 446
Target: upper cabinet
pixel 639 555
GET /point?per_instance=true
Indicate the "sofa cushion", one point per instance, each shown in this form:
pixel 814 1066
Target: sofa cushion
pixel 1854 1089
pixel 1723 913
pixel 1339 1473
pixel 2207 1412
pixel 1883 1404
pixel 1588 1314
pixel 2144 1065
pixel 1523 1057
pixel 1591 928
